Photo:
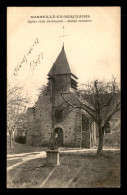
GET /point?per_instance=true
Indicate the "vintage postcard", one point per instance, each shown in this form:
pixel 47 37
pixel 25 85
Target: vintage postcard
pixel 63 97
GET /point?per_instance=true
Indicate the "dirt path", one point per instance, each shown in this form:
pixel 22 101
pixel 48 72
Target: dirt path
pixel 87 150
pixel 34 155
pixel 24 157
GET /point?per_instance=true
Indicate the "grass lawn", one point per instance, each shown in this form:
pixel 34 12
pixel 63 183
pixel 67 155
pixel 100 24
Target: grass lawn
pixel 76 170
pixel 12 162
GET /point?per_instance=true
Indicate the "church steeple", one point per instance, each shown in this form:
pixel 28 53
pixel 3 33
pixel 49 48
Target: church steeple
pixel 63 46
pixel 63 73
pixel 61 65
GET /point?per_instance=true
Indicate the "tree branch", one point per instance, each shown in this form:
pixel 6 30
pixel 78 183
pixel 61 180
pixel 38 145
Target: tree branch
pixel 117 108
pixel 78 107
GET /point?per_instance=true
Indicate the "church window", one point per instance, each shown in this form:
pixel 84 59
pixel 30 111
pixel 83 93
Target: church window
pixel 59 115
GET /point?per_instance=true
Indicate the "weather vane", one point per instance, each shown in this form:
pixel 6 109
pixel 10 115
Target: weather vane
pixel 63 35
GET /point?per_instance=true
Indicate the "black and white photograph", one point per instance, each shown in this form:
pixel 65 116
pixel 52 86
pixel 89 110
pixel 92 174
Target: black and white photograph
pixel 63 97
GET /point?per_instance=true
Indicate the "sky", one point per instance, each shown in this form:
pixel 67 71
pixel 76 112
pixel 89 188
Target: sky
pixel 92 47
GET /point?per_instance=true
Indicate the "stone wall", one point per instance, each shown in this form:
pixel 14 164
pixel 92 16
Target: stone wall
pixel 69 129
pixel 43 113
pixel 71 123
pixel 78 128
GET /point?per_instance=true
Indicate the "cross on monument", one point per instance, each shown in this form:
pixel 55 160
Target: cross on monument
pixel 63 35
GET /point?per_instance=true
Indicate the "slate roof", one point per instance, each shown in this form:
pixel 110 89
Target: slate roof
pixel 61 65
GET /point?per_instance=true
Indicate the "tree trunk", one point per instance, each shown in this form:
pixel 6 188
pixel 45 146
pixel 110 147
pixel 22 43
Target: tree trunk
pixel 101 138
pixel 11 145
pixel 26 140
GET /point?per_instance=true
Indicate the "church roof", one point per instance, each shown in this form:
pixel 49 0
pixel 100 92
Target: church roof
pixel 61 65
pixel 73 99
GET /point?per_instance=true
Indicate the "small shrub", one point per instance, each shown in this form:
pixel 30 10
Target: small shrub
pixel 112 139
pixel 20 139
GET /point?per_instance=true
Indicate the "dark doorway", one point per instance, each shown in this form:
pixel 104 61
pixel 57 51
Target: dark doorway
pixel 59 136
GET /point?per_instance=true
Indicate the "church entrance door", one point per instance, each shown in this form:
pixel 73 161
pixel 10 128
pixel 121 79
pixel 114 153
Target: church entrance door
pixel 59 136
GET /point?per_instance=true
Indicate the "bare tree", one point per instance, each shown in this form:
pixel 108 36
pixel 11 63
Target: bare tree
pixel 16 103
pixel 104 102
pixel 28 127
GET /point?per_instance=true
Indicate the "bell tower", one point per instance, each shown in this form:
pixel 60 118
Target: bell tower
pixel 65 80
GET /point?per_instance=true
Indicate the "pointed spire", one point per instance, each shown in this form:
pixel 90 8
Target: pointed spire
pixel 63 36
pixel 61 65
pixel 63 46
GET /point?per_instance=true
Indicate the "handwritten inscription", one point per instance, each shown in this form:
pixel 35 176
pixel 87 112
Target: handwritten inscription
pixel 25 58
pixel 36 61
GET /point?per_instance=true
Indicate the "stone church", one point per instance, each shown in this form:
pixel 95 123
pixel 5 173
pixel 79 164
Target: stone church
pixel 73 127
